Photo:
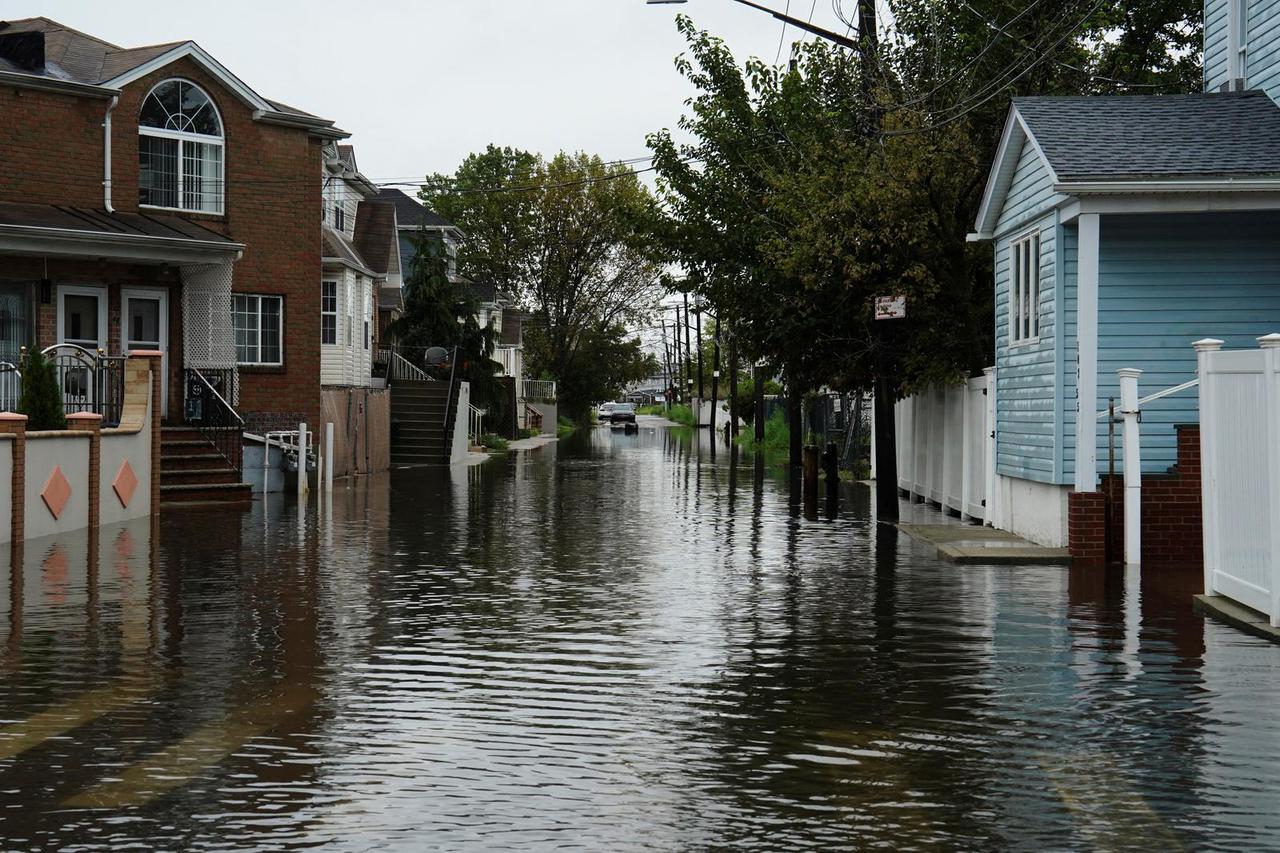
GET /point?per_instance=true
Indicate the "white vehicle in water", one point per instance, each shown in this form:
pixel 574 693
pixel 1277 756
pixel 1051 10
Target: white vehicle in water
pixel 604 410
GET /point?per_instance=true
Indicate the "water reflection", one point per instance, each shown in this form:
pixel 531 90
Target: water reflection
pixel 617 641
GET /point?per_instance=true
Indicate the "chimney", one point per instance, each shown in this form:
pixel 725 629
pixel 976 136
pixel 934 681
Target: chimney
pixel 24 49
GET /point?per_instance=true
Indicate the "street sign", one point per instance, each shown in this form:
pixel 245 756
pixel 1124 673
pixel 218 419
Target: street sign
pixel 891 307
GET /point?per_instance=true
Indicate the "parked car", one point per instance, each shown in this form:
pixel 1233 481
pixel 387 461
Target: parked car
pixel 623 416
pixel 604 410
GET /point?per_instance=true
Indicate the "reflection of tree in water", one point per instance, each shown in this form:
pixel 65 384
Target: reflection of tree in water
pixel 841 713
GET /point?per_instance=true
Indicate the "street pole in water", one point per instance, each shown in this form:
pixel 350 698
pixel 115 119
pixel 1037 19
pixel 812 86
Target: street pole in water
pixel 688 357
pixel 715 384
pixel 679 382
pixel 697 313
pixel 757 375
pixel 733 387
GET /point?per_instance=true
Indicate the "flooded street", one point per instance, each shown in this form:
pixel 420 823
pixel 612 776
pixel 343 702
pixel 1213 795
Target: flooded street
pixel 612 643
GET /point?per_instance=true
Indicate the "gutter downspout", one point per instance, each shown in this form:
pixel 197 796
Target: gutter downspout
pixel 106 155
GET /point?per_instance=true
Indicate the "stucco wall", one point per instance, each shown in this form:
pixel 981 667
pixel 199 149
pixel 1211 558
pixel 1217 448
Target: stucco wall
pixel 118 447
pixel 1034 511
pixel 458 452
pixel 67 452
pixel 550 416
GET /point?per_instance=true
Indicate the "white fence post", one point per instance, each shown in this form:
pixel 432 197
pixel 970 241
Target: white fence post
pixel 989 439
pixel 1208 466
pixel 328 457
pixel 302 459
pixel 1132 465
pixel 1271 376
pixel 966 450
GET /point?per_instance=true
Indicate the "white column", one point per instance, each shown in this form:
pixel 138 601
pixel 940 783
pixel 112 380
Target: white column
pixel 1208 467
pixel 1086 479
pixel 302 459
pixel 966 450
pixel 1132 465
pixel 328 457
pixel 266 463
pixel 989 440
pixel 1271 429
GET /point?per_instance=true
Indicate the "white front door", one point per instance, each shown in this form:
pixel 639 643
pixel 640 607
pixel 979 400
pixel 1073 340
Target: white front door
pixel 145 326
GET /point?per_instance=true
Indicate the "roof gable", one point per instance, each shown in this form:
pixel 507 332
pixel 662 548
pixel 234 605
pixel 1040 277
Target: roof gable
pixel 1003 170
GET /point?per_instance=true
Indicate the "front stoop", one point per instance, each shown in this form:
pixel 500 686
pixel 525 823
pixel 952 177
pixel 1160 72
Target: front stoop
pixel 193 473
pixel 1236 615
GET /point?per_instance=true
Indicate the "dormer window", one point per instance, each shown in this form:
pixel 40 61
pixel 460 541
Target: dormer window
pixel 180 146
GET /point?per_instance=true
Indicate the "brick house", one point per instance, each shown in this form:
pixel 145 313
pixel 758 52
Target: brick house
pixel 150 199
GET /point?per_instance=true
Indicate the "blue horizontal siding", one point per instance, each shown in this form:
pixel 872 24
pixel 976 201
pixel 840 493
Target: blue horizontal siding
pixel 1030 192
pixel 1215 43
pixel 1262 34
pixel 1164 282
pixel 1026 392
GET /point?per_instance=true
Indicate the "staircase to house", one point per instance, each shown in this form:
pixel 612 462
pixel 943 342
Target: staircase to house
pixel 422 416
pixel 194 471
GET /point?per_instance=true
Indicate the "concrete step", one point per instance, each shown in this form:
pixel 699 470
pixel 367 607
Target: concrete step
pixel 210 493
pixel 167 442
pixel 198 476
pixel 187 461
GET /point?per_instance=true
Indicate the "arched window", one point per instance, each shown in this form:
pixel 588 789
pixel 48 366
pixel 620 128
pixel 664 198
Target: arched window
pixel 180 149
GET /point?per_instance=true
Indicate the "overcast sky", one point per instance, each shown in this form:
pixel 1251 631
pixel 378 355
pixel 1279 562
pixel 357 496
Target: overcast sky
pixel 419 85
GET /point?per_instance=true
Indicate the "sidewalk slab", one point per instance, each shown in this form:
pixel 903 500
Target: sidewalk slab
pixel 970 544
pixel 531 443
pixel 1236 615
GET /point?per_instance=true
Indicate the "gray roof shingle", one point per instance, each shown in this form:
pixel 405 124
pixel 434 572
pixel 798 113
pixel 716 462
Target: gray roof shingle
pixel 411 213
pixel 1156 136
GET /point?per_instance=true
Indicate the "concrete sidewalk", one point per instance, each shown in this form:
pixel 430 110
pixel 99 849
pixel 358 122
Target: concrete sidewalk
pixel 971 544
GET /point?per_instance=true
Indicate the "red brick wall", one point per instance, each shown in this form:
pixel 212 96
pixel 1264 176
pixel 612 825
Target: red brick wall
pixel 1171 514
pixel 51 153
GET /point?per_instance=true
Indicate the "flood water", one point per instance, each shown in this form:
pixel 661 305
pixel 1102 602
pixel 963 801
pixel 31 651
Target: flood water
pixel 615 643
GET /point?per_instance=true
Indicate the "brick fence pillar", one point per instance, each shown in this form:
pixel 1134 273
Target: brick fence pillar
pixel 16 425
pixel 1087 528
pixel 91 423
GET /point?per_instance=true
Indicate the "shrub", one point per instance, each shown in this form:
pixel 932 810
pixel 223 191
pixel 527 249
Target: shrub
pixel 41 398
pixel 565 427
pixel 681 414
pixel 493 442
pixel 777 436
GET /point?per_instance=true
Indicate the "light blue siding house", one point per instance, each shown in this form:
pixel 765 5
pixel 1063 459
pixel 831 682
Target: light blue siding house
pixel 1125 228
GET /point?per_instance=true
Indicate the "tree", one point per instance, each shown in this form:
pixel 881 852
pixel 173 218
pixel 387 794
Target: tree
pixel 41 399
pixel 610 361
pixel 561 236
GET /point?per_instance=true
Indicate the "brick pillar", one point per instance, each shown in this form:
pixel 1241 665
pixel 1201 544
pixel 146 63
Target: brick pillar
pixel 91 423
pixel 16 426
pixel 153 361
pixel 1087 528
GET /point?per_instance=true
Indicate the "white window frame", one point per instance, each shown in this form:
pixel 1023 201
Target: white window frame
pixel 1025 263
pixel 333 313
pixel 184 139
pixel 258 297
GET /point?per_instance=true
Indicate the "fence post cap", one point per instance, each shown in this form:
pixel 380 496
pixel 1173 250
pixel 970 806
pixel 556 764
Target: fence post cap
pixel 84 416
pixel 1208 345
pixel 1270 341
pixel 1128 373
pixel 988 371
pixel 13 417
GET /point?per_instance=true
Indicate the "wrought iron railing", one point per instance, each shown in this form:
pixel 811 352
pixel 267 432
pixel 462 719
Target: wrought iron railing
pixel 88 382
pixel 10 386
pixel 210 413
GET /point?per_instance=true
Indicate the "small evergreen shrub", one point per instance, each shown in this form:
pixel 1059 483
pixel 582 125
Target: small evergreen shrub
pixel 41 398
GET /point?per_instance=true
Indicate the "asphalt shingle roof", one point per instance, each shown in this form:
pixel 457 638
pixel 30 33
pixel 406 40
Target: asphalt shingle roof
pixel 1156 136
pixel 411 213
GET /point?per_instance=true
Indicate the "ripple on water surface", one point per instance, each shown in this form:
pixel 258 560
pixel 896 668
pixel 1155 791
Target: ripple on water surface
pixel 614 643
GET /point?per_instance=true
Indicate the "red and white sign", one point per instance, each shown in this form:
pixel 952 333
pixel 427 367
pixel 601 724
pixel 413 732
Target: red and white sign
pixel 891 307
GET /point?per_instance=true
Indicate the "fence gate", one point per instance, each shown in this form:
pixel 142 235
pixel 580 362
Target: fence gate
pixel 1240 472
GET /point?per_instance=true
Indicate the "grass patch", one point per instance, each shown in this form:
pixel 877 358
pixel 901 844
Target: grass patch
pixel 680 414
pixel 493 443
pixel 529 432
pixel 656 409
pixel 777 436
pixel 565 427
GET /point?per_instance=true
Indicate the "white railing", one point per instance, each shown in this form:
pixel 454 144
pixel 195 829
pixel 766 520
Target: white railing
pixel 944 451
pixel 400 368
pixel 509 358
pixel 1240 472
pixel 475 424
pixel 10 387
pixel 537 389
pixel 303 450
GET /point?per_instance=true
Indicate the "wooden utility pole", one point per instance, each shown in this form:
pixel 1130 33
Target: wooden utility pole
pixel 675 379
pixel 733 387
pixel 758 377
pixel 698 316
pixel 715 384
pixel 688 355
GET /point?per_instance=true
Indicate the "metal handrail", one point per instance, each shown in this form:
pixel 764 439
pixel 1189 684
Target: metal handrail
pixel 9 402
pixel 402 368
pixel 219 424
pixel 476 422
pixel 1159 395
pixel 538 389
pixel 448 402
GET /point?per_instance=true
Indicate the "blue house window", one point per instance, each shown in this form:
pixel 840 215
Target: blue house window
pixel 1024 289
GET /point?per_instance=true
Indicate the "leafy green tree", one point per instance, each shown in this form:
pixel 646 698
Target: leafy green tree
pixel 608 362
pixel 563 237
pixel 41 399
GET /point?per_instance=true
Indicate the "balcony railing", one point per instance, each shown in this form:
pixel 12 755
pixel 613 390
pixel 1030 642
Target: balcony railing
pixel 509 358
pixel 538 390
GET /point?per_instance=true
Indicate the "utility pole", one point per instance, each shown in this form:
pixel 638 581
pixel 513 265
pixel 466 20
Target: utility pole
pixel 676 379
pixel 698 316
pixel 688 355
pixel 715 384
pixel 757 376
pixel 733 386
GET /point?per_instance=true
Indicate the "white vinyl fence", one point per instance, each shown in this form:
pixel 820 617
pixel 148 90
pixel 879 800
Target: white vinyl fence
pixel 1240 472
pixel 944 452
